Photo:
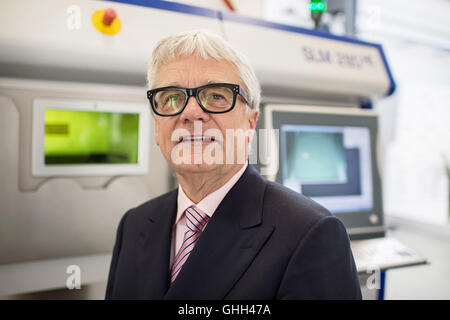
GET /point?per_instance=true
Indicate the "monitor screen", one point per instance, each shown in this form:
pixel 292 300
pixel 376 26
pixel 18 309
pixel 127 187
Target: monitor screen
pixel 87 137
pixel 329 154
pixel 330 164
pixel 79 138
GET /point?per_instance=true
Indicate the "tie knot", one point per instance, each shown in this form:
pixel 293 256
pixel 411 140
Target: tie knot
pixel 196 219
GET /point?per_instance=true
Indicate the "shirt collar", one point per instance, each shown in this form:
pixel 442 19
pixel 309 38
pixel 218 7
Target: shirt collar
pixel 209 203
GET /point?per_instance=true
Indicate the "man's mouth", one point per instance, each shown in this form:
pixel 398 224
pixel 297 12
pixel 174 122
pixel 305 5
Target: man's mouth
pixel 197 138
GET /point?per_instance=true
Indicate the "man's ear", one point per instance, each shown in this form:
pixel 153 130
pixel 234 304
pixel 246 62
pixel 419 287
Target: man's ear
pixel 253 118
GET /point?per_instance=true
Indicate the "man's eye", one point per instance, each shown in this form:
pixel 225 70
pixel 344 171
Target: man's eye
pixel 171 100
pixel 217 96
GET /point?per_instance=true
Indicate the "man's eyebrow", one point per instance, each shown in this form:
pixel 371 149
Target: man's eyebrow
pixel 216 81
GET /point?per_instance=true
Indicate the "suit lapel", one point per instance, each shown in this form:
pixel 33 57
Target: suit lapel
pixel 228 245
pixel 154 246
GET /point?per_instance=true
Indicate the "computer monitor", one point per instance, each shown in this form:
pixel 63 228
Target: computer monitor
pixel 89 138
pixel 329 154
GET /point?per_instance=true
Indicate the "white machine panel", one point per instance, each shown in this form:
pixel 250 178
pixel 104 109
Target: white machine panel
pixel 64 215
pixel 283 56
pixel 310 61
pixel 56 41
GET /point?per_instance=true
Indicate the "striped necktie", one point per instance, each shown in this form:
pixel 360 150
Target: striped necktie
pixel 196 221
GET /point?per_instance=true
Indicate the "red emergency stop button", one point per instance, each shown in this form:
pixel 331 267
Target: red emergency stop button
pixel 109 16
pixel 106 21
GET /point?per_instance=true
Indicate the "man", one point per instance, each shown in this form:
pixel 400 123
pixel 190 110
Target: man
pixel 226 232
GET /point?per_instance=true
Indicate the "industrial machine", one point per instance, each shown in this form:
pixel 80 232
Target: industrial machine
pixel 78 139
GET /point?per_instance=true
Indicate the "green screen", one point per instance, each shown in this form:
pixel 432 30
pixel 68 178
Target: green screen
pixel 85 137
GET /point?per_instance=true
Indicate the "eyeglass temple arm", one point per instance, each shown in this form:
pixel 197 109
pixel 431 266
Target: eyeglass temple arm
pixel 243 95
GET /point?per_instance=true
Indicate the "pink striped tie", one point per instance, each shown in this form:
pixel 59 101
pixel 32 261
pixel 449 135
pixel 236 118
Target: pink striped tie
pixel 196 221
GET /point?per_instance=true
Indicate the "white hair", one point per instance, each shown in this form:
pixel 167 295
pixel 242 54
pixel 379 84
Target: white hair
pixel 206 45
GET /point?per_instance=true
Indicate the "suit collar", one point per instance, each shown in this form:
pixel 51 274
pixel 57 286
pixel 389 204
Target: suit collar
pixel 166 202
pixel 154 247
pixel 247 196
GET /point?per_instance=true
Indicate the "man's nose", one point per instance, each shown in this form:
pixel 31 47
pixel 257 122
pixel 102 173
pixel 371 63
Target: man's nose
pixel 193 112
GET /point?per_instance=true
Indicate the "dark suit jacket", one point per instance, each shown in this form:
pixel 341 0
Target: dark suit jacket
pixel 264 241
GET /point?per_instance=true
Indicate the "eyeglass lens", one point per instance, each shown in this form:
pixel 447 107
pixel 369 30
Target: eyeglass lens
pixel 215 99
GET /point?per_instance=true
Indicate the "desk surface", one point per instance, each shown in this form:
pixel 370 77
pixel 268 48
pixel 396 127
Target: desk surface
pixel 383 254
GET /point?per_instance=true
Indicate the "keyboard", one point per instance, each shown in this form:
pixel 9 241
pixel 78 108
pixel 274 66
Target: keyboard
pixel 383 253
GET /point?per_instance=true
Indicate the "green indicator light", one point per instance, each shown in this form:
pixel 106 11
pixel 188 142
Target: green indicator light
pixel 317 6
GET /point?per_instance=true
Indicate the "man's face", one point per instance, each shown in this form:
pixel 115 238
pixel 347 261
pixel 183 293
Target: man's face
pixel 229 143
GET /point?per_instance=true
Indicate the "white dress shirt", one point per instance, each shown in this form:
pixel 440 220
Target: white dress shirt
pixel 208 205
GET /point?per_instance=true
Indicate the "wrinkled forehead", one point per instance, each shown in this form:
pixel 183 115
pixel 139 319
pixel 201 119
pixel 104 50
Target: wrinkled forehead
pixel 194 70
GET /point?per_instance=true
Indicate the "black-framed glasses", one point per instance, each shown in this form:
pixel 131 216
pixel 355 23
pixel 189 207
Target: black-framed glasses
pixel 212 98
